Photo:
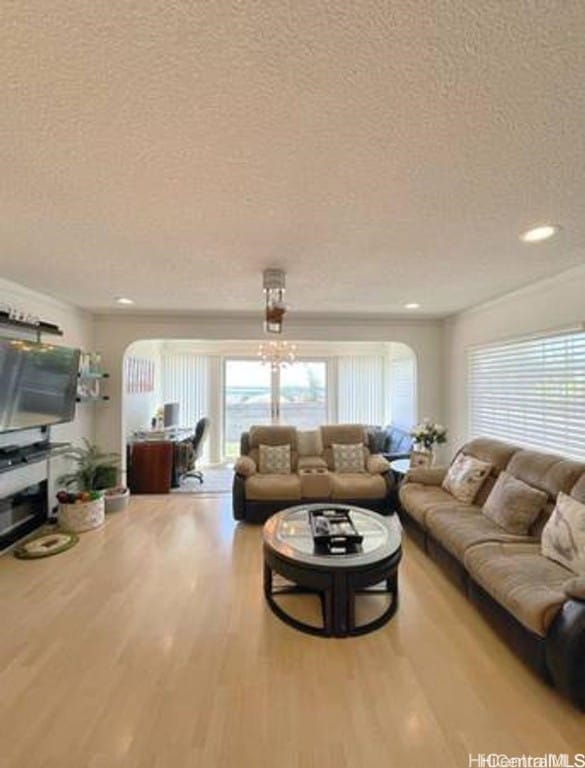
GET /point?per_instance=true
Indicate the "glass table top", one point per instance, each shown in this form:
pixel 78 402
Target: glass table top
pixel 289 534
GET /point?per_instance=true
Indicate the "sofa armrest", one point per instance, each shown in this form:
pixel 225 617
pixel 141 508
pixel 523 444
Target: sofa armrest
pixel 575 588
pixel 426 475
pixel 376 464
pixel 565 650
pixel 245 466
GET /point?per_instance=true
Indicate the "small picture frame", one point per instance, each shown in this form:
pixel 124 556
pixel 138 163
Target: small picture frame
pixel 420 459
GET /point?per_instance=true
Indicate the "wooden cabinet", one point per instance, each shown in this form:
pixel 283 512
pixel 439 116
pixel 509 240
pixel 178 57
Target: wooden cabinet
pixel 150 466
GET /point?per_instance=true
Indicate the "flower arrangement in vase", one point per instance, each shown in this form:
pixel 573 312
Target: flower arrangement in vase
pixel 427 434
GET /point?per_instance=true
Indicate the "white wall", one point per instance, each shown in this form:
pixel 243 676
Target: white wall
pixel 548 305
pixel 140 407
pixel 116 331
pixel 78 331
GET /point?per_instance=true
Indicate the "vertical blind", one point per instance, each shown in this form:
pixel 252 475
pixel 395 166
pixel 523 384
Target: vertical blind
pixel 531 392
pixel 184 379
pixel 360 389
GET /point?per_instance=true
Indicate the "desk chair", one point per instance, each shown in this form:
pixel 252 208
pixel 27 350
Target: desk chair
pixel 197 441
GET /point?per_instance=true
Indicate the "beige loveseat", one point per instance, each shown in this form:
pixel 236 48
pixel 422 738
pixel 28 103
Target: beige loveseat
pixel 313 476
pixel 536 603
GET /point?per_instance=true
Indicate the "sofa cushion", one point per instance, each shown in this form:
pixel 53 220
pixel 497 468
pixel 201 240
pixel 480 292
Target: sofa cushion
pixel 343 434
pixel 513 504
pixel 563 537
pixel 309 442
pixel 494 452
pixel 459 529
pixel 528 585
pixel 272 435
pixel 274 459
pixel 311 462
pixel 357 486
pixel 465 477
pixel 547 472
pixel 273 487
pixel 348 458
pixel 418 499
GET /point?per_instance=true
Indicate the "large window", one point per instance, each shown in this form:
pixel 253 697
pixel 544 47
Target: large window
pixel 303 394
pixel 254 394
pixel 531 392
pixel 247 400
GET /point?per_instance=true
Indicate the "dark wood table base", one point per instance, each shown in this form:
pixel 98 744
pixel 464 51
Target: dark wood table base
pixel 337 589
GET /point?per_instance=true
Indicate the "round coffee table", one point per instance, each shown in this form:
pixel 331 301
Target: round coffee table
pixel 338 579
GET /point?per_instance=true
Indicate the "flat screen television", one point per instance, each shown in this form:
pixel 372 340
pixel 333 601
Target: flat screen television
pixel 38 384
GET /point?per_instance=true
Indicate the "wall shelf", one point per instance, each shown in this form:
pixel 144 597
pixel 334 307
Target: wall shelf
pixel 40 327
pixel 90 378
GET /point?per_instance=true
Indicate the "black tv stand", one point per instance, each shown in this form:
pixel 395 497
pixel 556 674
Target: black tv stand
pixel 14 456
pixel 24 503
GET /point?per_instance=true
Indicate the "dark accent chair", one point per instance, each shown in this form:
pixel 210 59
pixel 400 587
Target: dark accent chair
pixel 393 442
pixel 196 443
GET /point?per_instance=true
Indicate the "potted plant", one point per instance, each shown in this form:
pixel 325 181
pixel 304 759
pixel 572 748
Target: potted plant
pixel 94 480
pixel 95 469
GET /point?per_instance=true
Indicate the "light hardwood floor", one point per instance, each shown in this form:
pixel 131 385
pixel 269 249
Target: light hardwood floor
pixel 149 645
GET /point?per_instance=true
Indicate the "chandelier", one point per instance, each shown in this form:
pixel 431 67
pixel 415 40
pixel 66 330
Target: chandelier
pixel 277 354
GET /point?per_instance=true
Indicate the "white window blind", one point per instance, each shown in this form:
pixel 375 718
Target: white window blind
pixel 531 392
pixel 184 379
pixel 402 394
pixel 360 389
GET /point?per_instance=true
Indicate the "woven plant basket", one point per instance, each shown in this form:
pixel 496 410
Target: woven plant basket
pixel 83 516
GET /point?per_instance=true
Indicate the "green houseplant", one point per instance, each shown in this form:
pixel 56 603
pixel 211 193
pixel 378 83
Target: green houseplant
pixel 95 469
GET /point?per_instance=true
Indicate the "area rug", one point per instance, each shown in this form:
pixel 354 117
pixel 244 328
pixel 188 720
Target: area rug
pixel 45 545
pixel 216 480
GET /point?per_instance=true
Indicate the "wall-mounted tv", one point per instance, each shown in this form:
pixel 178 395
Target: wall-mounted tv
pixel 38 384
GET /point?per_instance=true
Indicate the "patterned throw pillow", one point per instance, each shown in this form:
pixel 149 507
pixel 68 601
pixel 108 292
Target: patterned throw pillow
pixel 513 504
pixel 563 537
pixel 465 477
pixel 348 458
pixel 274 459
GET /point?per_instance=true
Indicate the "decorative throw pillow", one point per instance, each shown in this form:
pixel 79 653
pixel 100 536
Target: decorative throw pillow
pixel 465 477
pixel 513 504
pixel 274 459
pixel 348 458
pixel 563 537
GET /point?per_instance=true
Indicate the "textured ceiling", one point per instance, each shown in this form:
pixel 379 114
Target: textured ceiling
pixel 380 152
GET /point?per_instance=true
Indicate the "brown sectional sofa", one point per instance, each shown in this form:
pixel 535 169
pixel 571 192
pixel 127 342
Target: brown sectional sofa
pixel 256 496
pixel 530 599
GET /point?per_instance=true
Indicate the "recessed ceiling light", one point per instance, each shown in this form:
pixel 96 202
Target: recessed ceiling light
pixel 538 234
pixel 412 305
pixel 124 300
